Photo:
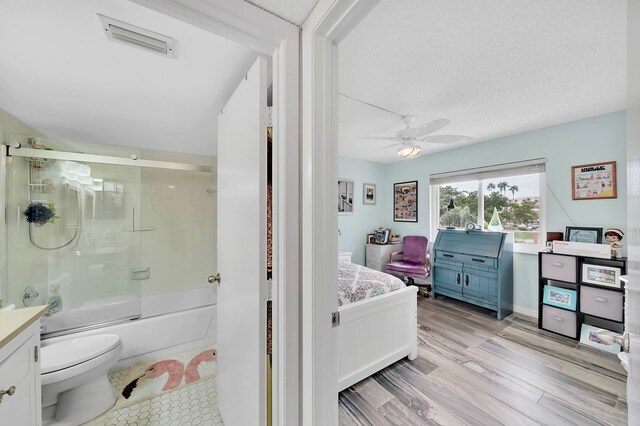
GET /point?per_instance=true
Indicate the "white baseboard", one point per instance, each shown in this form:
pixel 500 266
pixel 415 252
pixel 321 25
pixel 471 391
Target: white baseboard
pixel 533 313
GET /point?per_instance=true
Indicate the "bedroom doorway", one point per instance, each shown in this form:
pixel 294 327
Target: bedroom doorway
pixel 322 35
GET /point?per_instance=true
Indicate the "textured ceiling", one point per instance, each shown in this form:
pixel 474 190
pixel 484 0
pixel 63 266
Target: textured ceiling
pixel 493 67
pixel 294 11
pixel 60 75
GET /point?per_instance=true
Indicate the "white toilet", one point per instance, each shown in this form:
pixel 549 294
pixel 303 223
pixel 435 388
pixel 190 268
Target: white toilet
pixel 74 375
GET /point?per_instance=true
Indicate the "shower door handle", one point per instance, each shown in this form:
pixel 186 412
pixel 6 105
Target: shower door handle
pixel 214 278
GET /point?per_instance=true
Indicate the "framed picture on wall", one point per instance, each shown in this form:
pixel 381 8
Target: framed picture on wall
pixel 345 196
pixel 369 193
pixel 595 181
pixel 405 201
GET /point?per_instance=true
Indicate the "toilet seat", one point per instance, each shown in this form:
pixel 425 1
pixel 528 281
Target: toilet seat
pixel 68 353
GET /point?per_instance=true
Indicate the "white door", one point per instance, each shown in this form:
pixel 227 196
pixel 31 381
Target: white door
pixel 633 210
pixel 242 252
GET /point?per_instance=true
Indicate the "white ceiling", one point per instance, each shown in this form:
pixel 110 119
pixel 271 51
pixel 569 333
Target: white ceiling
pixel 493 67
pixel 60 75
pixel 294 11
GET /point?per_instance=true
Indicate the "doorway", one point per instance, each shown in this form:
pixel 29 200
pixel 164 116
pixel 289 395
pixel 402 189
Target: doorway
pixel 278 41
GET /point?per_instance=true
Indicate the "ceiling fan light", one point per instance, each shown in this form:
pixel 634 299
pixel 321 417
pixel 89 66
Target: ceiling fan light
pixel 409 151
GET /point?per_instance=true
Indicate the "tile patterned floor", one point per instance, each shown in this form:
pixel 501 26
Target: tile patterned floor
pixel 195 404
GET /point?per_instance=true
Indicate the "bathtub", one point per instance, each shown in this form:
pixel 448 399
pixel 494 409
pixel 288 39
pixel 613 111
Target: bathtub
pixel 169 323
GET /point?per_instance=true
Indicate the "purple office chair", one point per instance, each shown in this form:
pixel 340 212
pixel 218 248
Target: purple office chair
pixel 415 259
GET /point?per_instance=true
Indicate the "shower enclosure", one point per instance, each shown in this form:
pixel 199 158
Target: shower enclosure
pixel 98 236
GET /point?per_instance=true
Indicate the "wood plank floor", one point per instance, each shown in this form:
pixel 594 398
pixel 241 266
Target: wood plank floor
pixel 474 370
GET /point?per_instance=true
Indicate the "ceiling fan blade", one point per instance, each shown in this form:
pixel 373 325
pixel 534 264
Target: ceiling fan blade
pixel 447 139
pixel 430 127
pixel 421 131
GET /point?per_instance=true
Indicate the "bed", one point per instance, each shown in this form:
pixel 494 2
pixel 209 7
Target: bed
pixel 378 322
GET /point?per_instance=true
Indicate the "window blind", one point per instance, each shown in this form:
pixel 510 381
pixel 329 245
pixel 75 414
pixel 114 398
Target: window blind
pixel 519 168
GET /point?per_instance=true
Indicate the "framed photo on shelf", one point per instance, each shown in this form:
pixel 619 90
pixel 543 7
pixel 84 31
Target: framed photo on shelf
pixel 369 194
pixel 607 276
pixel 371 238
pixel 595 181
pixel 580 234
pixel 381 235
pixel 589 337
pixel 560 297
pixel 405 201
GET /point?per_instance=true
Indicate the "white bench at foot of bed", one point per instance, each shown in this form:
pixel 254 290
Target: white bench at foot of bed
pixel 374 333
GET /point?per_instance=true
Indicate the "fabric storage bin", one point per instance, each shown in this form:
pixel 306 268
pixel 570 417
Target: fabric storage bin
pixel 559 320
pixel 601 303
pixel 561 268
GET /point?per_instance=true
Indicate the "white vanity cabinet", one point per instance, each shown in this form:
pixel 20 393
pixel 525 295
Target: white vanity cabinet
pixel 20 403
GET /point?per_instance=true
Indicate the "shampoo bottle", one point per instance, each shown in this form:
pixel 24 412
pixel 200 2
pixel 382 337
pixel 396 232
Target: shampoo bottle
pixel 54 300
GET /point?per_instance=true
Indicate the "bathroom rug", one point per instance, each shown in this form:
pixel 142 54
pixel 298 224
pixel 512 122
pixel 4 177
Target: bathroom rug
pixel 151 379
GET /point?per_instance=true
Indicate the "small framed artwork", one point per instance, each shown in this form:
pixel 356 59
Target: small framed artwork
pixel 607 276
pixel 595 181
pixel 369 193
pixel 345 196
pixel 405 201
pixel 578 234
pixel 589 337
pixel 560 297
pixel 371 238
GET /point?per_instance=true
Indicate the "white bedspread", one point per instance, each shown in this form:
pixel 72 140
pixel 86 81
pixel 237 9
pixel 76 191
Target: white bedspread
pixel 356 282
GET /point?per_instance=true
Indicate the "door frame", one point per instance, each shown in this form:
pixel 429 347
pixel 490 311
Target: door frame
pixel 632 326
pixel 271 36
pixel 328 24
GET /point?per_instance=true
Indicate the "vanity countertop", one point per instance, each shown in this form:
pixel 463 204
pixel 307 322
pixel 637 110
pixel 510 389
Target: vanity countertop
pixel 14 322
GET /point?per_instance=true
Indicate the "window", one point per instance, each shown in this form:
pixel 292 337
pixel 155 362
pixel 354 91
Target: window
pixel 458 204
pixel 507 197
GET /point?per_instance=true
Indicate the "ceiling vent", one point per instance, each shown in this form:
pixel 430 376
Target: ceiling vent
pixel 122 32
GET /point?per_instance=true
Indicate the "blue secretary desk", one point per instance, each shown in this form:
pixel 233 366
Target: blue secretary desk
pixel 476 267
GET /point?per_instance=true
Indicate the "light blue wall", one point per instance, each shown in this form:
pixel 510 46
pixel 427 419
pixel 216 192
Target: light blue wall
pixel 601 138
pixel 354 228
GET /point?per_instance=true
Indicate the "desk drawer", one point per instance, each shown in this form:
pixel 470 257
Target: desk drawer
pixel 479 261
pixel 561 268
pixel 601 303
pixel 466 259
pixel 559 320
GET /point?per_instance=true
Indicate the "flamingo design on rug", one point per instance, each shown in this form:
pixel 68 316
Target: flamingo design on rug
pixel 191 373
pixel 174 368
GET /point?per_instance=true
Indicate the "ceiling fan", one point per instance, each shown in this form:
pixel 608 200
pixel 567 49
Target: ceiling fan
pixel 409 139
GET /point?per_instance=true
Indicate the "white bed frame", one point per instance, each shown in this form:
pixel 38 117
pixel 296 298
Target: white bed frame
pixel 374 333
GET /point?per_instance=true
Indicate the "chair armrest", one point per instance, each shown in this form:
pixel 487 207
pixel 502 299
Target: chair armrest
pixel 395 253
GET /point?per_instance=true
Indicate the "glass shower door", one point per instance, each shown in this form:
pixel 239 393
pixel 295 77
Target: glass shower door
pixel 72 241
